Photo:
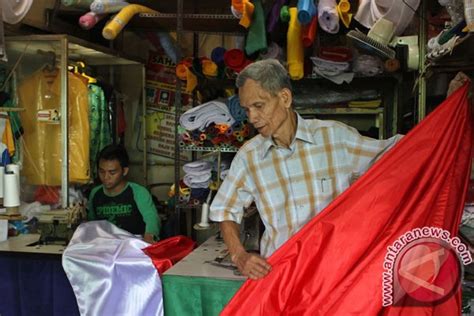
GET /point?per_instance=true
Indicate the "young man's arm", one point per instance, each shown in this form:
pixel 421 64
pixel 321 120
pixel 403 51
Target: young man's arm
pixel 149 213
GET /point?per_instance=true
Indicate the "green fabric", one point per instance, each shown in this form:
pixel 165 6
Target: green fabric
pixel 257 36
pixel 100 133
pixel 184 295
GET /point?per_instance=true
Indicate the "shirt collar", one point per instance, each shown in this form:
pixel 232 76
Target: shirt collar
pixel 302 133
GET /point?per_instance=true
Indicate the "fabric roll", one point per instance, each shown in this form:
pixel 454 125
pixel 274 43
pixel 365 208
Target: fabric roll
pixel 203 115
pixel 77 3
pixel 328 17
pixel 235 59
pixel 237 112
pixel 309 32
pixel 274 15
pixel 209 68
pixel 197 166
pixel 217 55
pixel 399 12
pixel 306 11
pixel 257 35
pixel 294 50
pixel 97 262
pixel 107 6
pixel 90 19
pixel 198 179
pixel 115 26
pixel 247 13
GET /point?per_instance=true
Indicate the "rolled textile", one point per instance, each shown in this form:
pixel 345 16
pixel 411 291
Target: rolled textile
pixel 13 11
pixel 247 13
pixel 306 11
pixel 328 17
pixel 77 3
pixel 108 6
pixel 257 36
pixel 119 21
pixel 274 15
pixel 90 19
pixel 198 180
pixel 237 112
pixel 200 117
pixel 309 32
pixel 235 59
pixel 399 12
pixel 199 194
pixel 294 49
pixel 209 68
pixel 285 13
pixel 217 55
pixel 197 166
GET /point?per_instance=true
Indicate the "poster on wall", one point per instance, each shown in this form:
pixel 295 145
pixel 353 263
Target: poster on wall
pixel 160 98
pixel 161 83
pixel 160 133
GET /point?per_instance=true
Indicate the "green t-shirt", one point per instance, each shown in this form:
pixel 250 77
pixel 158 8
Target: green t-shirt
pixel 132 209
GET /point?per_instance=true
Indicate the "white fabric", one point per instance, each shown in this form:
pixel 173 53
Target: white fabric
pixel 397 11
pixel 197 166
pixel 198 180
pixel 13 11
pixel 328 18
pixel 203 115
pixel 110 274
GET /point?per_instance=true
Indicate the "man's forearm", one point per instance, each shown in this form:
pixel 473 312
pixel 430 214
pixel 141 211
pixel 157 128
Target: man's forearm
pixel 231 235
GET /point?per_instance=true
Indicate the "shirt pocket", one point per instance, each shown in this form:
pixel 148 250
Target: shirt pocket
pixel 325 191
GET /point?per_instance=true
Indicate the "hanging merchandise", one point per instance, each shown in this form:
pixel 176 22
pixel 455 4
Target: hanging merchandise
pixel 309 32
pixel 90 19
pixel 42 141
pixel 328 17
pixel 115 26
pixel 400 13
pixel 256 37
pixel 235 59
pixel 243 10
pixel 294 49
pixel 343 9
pixel 107 6
pixel 306 11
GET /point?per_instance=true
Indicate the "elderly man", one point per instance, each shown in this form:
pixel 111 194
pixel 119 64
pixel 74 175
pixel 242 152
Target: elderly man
pixel 292 170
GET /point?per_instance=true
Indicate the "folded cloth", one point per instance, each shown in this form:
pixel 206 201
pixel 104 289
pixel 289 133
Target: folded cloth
pixel 237 112
pixel 197 166
pixel 328 17
pixel 203 115
pixel 198 179
pixel 110 274
pixel 235 59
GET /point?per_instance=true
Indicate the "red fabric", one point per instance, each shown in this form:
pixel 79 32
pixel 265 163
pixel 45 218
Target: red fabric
pixel 334 264
pixel 168 251
pixel 235 59
pixel 47 194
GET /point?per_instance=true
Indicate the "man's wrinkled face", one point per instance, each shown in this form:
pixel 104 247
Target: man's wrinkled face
pixel 266 112
pixel 112 175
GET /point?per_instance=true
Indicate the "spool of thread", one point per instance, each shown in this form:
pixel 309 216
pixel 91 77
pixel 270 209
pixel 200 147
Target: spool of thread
pixel 2 173
pixel 12 168
pixel 11 192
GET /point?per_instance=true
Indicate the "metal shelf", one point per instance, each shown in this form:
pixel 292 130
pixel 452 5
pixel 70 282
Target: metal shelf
pixel 201 23
pixel 360 111
pixel 217 149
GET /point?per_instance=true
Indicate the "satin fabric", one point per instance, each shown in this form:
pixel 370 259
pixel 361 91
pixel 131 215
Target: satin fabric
pixel 109 272
pixel 334 264
pixel 167 252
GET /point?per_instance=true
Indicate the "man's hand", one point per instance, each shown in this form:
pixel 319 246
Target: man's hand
pixel 251 265
pixel 148 238
pixel 457 82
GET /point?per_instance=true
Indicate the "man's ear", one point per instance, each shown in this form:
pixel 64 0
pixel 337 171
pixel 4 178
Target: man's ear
pixel 125 171
pixel 286 97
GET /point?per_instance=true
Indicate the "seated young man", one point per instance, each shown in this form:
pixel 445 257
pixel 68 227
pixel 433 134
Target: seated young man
pixel 126 204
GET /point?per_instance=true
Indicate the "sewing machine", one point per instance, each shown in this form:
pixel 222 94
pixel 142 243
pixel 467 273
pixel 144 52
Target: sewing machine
pixel 57 226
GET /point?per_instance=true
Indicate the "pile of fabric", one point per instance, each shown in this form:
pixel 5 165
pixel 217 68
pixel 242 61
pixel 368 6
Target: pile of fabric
pixel 215 124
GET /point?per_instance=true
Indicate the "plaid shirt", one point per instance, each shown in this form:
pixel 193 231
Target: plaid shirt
pixel 291 185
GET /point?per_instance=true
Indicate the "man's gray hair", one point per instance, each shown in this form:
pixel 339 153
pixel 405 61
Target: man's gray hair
pixel 269 73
